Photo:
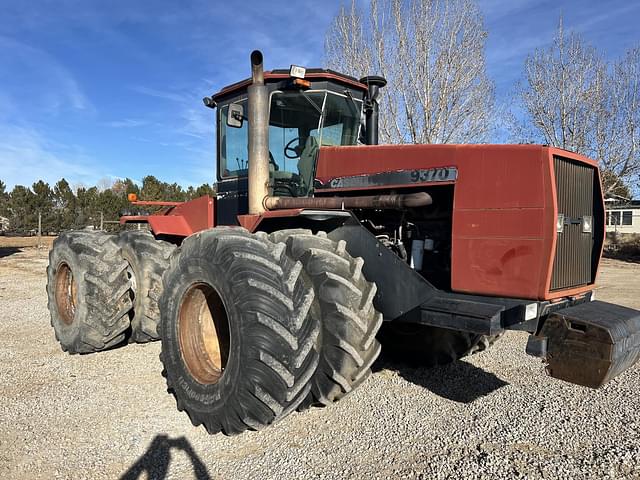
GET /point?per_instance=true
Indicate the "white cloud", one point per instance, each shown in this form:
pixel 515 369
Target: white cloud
pixel 199 123
pixel 163 94
pixel 126 123
pixel 33 73
pixel 26 157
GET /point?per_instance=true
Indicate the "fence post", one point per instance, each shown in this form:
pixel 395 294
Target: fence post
pixel 39 228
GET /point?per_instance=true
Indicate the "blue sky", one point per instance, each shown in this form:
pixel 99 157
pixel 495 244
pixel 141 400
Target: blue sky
pixel 94 89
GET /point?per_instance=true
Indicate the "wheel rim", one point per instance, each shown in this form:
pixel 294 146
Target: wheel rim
pixel 66 293
pixel 203 331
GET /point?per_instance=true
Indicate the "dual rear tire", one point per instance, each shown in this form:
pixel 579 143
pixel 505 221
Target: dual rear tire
pixel 148 258
pixel 103 289
pixel 88 291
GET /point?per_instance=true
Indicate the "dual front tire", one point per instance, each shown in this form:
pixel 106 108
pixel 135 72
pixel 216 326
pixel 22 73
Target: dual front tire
pixel 240 330
pixel 254 327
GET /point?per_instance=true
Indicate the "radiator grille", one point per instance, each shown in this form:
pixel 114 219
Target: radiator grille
pixel 574 264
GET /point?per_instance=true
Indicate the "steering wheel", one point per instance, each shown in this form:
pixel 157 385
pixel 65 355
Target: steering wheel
pixel 297 150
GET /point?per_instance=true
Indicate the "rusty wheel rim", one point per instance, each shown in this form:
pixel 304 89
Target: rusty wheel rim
pixel 203 331
pixel 66 293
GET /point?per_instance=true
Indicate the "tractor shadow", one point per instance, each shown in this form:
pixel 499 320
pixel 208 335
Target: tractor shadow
pixel 154 463
pixel 460 381
pixel 7 251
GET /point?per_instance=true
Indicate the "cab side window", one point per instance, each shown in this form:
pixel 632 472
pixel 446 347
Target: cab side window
pixel 233 145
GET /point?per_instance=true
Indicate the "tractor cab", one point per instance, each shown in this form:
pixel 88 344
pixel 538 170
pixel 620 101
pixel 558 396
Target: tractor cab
pixel 307 109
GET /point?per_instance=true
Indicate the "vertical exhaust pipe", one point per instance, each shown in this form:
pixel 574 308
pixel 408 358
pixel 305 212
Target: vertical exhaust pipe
pixel 258 113
pixel 372 107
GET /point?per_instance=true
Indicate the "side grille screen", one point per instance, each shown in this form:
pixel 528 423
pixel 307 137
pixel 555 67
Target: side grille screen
pixel 573 265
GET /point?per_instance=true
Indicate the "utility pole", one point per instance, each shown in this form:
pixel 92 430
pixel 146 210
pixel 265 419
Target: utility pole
pixel 101 221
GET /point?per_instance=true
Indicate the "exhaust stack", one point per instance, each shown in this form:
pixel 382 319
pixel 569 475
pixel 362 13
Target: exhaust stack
pixel 258 112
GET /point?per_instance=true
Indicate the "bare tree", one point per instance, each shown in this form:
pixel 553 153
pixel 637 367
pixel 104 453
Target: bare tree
pixel 563 86
pixel 573 99
pixel 105 183
pixel 432 54
pixel 621 160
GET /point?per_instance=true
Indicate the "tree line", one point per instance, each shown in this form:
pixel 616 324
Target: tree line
pixel 62 207
pixel 432 53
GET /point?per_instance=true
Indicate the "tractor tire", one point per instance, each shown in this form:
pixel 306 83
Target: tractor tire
pixel 350 322
pixel 483 343
pixel 88 292
pixel 423 345
pixel 240 330
pixel 148 258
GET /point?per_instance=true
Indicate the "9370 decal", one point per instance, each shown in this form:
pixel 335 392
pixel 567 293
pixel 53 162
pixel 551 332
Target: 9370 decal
pixel 397 177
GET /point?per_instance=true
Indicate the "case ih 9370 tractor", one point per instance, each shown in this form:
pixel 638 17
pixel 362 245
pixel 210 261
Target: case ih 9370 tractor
pixel 274 295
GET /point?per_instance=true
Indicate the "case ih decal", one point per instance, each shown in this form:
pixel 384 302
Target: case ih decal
pixel 398 177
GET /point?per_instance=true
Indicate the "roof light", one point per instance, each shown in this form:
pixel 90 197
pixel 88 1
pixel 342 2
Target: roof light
pixel 132 197
pixel 587 224
pixel 560 223
pixel 297 71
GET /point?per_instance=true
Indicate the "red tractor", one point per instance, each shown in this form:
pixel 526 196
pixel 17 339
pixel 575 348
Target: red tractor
pixel 320 244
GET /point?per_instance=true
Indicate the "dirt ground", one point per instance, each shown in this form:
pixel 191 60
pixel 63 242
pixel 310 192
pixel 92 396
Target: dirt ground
pixel 494 415
pixel 22 242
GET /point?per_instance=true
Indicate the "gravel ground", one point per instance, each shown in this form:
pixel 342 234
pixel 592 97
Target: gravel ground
pixel 495 415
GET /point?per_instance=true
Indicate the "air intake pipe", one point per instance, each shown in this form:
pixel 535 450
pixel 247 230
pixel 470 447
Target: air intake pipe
pixel 258 113
pixel 372 107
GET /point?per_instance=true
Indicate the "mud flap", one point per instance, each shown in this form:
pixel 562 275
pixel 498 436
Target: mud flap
pixel 588 344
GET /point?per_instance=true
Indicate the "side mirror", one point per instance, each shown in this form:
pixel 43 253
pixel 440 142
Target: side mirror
pixel 235 115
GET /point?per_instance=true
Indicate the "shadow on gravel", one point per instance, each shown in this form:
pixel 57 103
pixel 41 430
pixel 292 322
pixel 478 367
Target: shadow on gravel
pixel 6 251
pixel 154 464
pixel 629 258
pixel 459 381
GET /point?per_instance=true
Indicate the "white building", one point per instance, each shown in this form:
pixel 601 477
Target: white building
pixel 623 217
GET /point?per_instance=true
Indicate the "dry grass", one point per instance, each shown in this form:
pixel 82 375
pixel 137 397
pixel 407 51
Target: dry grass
pixel 623 246
pixel 22 242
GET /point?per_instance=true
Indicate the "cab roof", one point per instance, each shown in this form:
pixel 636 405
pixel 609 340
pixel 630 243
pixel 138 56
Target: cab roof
pixel 277 75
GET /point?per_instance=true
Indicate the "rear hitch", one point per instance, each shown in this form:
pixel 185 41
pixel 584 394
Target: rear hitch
pixel 588 344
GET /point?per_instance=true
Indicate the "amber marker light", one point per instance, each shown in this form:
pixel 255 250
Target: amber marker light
pixel 132 197
pixel 302 83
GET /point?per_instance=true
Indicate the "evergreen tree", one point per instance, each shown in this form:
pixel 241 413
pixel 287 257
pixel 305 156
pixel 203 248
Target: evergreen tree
pixel 22 210
pixel 43 205
pixel 4 200
pixel 65 205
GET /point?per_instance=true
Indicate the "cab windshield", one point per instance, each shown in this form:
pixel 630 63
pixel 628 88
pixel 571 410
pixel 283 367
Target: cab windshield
pixel 299 123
